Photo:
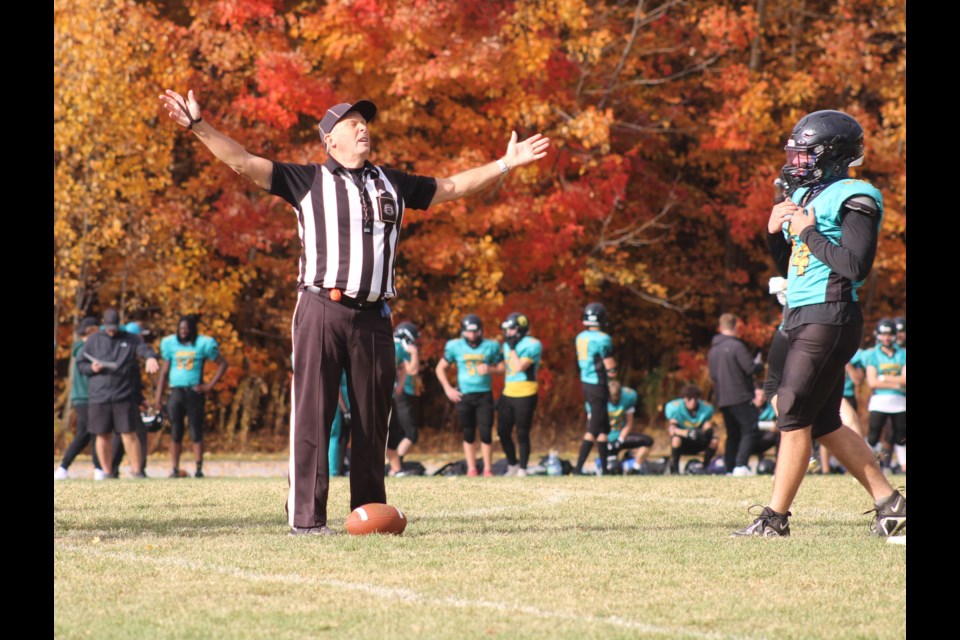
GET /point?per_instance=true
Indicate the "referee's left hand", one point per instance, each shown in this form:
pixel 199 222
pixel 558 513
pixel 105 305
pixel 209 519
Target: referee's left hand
pixel 521 153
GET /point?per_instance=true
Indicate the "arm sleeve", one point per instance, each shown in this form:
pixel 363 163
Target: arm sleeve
pixel 853 257
pixel 145 351
pixel 780 252
pixel 745 360
pixel 83 363
pixel 292 181
pixel 417 191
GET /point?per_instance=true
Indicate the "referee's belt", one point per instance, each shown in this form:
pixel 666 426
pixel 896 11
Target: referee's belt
pixel 337 296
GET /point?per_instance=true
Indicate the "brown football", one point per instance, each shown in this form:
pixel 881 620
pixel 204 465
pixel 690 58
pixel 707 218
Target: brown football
pixel 376 518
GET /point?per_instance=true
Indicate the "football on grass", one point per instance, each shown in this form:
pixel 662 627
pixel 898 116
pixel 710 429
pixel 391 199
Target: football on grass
pixel 376 518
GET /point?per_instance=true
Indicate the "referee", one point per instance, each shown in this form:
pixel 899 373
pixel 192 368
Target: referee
pixel 349 215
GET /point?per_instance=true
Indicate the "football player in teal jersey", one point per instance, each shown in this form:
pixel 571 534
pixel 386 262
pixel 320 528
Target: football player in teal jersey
pixel 405 417
pixel 184 354
pixel 475 358
pixel 690 428
pixel 886 365
pixel 597 367
pixel 823 238
pixel 621 409
pixel 518 402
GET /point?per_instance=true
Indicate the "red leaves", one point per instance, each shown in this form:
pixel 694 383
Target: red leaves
pixel 287 89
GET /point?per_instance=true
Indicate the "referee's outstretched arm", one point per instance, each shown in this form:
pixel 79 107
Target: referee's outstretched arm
pixel 479 178
pixel 186 113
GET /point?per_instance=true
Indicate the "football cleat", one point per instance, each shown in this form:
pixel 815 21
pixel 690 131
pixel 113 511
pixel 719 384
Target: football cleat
pixel 769 524
pixel 890 517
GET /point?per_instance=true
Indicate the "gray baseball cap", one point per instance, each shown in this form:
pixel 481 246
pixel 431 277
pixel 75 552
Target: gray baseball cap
pixel 111 319
pixel 336 113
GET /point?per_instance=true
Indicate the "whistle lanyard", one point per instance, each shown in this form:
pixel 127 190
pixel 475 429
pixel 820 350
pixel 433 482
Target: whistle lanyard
pixel 364 200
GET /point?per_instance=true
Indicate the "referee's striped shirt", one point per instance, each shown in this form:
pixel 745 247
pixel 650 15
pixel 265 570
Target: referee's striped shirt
pixel 337 252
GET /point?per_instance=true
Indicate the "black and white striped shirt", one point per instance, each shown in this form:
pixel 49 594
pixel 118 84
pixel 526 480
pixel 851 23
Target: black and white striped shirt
pixel 348 243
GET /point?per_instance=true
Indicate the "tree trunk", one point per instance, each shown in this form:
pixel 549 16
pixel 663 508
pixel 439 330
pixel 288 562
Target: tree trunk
pixel 756 48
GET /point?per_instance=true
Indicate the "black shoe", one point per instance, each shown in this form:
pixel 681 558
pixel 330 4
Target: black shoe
pixel 198 474
pixel 177 473
pixel 140 475
pixel 769 524
pixel 323 530
pixel 891 516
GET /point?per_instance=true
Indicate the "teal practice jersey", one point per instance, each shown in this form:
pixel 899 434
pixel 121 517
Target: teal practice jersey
pixel 810 281
pixel 677 410
pixel 186 360
pixel 520 384
pixel 592 348
pixel 409 385
pixel 849 391
pixel 886 365
pixel 467 358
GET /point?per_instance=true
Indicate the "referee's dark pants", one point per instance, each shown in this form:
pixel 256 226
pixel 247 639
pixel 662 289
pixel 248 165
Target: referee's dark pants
pixel 329 338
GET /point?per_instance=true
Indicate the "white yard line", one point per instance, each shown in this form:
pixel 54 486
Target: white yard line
pixel 402 595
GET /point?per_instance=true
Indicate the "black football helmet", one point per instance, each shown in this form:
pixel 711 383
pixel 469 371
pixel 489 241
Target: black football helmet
pixel 821 147
pixel 886 326
pixel 518 321
pixel 901 323
pixel 472 322
pixel 152 420
pixel 595 315
pixel 407 332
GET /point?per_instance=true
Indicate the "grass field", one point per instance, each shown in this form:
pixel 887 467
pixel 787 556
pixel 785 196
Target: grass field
pixel 571 557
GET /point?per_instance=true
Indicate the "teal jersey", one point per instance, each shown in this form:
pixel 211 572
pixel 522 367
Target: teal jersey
pixel 520 384
pixel 810 281
pixel 592 348
pixel 849 391
pixel 677 410
pixel 767 413
pixel 78 389
pixel 467 358
pixel 186 360
pixel 886 365
pixel 618 412
pixel 409 385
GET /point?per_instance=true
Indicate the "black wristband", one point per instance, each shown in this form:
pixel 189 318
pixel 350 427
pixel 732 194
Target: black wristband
pixel 193 122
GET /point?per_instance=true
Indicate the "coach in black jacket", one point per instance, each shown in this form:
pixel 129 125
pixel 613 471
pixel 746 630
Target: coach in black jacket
pixel 732 369
pixel 109 358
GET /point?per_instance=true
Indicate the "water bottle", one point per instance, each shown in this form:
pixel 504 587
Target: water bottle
pixel 554 468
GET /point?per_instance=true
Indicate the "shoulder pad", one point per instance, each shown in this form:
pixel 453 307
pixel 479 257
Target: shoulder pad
pixel 862 204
